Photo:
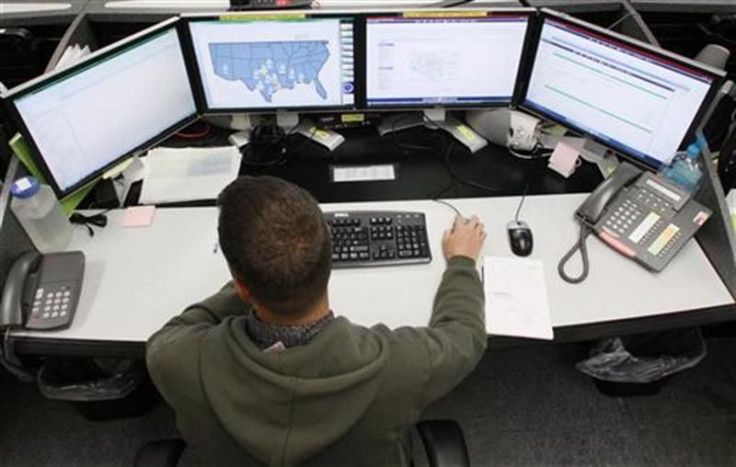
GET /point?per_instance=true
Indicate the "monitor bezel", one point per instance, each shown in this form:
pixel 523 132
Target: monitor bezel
pixel 87 62
pixel 200 95
pixel 529 12
pixel 648 163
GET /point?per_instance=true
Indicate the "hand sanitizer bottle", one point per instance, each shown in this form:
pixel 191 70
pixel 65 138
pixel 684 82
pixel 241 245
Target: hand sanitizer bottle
pixel 39 213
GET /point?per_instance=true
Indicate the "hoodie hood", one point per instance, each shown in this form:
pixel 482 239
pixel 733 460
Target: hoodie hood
pixel 291 418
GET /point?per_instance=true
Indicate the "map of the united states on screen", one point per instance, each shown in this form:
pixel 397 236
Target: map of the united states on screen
pixel 269 67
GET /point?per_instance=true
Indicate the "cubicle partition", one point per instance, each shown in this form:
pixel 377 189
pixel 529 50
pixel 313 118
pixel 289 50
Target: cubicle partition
pixel 29 40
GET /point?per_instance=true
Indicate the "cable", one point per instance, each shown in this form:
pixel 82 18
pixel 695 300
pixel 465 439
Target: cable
pixel 9 360
pixel 521 203
pixel 463 181
pixel 445 157
pixel 446 203
pixel 306 140
pixel 99 219
pixel 579 245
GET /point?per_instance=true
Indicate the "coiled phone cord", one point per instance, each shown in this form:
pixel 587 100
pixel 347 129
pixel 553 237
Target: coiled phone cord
pixel 579 245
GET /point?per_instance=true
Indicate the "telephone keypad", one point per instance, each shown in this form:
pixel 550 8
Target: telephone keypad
pixel 624 217
pixel 52 302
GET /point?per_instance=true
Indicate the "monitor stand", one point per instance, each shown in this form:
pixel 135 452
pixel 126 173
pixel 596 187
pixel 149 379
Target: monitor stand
pixel 261 137
pixel 462 132
pixel 399 121
pixel 327 138
pixel 598 154
pixel 434 119
pixel 242 122
pixel 287 121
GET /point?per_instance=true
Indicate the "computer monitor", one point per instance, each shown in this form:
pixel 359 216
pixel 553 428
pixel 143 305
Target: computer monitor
pixel 84 120
pixel 250 62
pixel 447 58
pixel 634 98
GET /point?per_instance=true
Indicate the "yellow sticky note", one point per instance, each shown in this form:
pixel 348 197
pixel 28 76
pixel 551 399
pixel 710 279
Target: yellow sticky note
pixel 352 118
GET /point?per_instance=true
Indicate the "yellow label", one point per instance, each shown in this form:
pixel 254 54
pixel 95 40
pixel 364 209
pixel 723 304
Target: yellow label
pixel 352 118
pixel 467 132
pixel 444 14
pixel 265 17
pixel 663 239
pixel 322 134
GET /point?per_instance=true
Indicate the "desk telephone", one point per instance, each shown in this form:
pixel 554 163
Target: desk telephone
pixel 42 291
pixel 640 215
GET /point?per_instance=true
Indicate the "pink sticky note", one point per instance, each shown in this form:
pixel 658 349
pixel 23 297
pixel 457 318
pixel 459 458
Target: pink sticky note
pixel 564 159
pixel 138 216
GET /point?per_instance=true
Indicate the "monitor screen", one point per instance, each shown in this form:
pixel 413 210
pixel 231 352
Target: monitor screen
pixel 443 60
pixel 294 63
pixel 85 120
pixel 632 99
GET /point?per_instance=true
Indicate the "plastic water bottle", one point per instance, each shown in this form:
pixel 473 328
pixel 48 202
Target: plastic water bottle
pixel 686 168
pixel 39 213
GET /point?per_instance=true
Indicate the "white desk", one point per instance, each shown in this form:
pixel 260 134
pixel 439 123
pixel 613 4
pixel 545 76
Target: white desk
pixel 138 278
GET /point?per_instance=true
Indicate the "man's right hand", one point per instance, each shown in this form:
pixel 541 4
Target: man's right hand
pixel 464 239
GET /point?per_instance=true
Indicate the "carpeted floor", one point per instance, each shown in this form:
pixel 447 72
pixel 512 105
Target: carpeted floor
pixel 522 406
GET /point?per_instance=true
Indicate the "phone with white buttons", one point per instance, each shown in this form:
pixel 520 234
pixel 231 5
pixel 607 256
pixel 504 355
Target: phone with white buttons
pixel 42 291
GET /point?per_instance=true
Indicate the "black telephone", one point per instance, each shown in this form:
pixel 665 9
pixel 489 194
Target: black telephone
pixel 42 291
pixel 639 214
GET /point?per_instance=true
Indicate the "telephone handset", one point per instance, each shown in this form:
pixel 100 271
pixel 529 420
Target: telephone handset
pixel 592 208
pixel 640 215
pixel 42 291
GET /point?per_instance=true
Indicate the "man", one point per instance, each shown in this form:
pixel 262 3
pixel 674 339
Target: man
pixel 263 372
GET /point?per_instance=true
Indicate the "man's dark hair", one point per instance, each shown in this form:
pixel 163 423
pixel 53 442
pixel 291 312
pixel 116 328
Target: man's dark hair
pixel 276 242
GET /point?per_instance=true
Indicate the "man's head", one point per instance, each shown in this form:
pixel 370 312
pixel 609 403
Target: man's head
pixel 276 243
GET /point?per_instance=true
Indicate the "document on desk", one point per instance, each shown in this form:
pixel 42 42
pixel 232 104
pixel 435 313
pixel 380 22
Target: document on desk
pixel 188 174
pixel 516 297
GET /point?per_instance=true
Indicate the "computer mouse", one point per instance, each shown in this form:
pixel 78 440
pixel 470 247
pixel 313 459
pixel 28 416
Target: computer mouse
pixel 520 238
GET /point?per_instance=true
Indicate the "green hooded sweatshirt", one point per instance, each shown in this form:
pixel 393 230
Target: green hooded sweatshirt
pixel 348 397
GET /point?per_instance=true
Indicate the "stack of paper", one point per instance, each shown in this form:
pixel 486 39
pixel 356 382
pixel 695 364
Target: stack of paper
pixel 71 55
pixel 188 174
pixel 516 297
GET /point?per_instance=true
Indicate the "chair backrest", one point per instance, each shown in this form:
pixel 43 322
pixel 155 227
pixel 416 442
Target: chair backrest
pixel 443 441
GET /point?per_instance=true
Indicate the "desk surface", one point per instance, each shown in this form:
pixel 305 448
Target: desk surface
pixel 137 278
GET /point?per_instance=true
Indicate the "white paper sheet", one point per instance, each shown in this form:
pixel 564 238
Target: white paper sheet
pixel 188 174
pixel 71 55
pixel 363 173
pixel 516 297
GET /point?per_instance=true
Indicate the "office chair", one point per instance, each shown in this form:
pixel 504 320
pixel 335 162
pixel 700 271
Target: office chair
pixel 443 442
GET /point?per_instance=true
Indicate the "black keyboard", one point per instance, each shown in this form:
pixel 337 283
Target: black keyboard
pixel 378 238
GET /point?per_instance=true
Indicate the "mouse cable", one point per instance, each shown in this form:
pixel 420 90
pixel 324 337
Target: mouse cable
pixel 579 245
pixel 461 180
pixel 447 203
pixel 521 203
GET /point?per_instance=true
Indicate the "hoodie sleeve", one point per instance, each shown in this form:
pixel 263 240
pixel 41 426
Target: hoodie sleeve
pixel 456 337
pixel 173 344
